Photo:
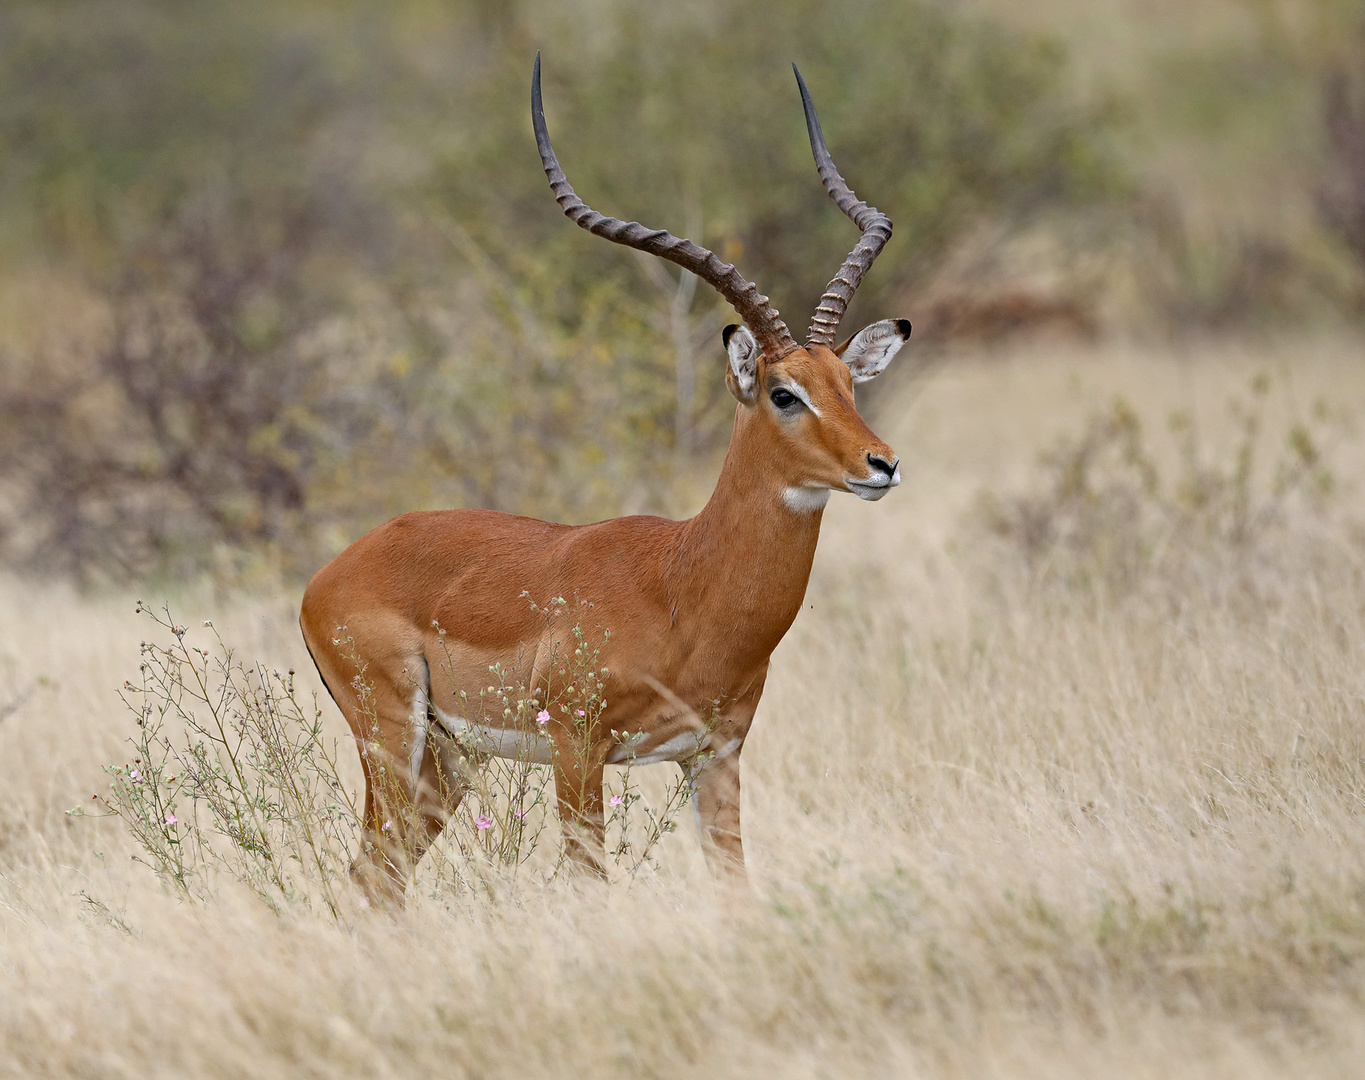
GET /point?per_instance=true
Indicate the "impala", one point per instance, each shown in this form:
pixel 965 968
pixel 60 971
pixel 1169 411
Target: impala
pixel 685 615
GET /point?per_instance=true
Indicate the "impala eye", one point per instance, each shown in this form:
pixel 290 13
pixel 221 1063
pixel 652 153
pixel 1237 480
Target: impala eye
pixel 783 398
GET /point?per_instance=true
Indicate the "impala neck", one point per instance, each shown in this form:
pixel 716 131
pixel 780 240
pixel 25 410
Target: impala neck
pixel 746 558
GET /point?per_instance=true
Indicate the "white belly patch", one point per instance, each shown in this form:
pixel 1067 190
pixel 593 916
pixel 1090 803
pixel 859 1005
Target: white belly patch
pixel 499 742
pixel 533 747
pixel 679 748
pixel 682 747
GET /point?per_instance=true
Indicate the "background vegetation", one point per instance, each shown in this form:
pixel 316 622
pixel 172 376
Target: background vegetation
pixel 275 271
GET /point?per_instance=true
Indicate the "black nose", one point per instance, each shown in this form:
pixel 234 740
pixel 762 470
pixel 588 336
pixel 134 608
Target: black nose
pixel 888 467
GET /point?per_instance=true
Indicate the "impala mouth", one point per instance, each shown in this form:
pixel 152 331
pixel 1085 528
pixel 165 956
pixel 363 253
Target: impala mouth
pixel 874 487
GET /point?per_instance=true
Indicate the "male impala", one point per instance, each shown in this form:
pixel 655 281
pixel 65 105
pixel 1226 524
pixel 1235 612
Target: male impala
pixel 686 613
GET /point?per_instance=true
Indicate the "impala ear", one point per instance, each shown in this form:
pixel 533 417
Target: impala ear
pixel 744 352
pixel 869 350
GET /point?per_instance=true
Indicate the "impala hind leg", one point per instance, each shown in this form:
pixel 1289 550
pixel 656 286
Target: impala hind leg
pixel 415 776
pixel 405 813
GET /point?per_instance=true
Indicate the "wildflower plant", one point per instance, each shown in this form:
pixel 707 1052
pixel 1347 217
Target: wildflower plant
pixel 637 825
pixel 507 805
pixel 496 828
pixel 231 774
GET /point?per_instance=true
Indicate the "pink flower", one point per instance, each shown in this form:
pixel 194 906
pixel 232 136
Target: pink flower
pixel 542 717
pixel 388 825
pixel 521 814
pixel 171 819
pixel 483 821
pixel 580 712
pixel 617 800
pixel 133 776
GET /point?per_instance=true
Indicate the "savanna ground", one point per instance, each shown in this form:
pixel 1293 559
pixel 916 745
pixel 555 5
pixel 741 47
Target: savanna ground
pixel 1060 774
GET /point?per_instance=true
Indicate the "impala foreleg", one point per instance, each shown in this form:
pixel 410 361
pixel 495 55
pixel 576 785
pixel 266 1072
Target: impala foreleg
pixel 715 799
pixel 579 775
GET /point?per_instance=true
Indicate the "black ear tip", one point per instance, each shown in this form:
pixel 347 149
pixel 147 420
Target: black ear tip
pixel 903 325
pixel 727 333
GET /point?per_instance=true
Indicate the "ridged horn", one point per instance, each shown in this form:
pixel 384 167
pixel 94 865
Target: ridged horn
pixel 753 307
pixel 875 226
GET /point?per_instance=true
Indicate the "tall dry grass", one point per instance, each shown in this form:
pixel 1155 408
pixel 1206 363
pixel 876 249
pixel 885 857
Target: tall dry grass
pixel 1004 815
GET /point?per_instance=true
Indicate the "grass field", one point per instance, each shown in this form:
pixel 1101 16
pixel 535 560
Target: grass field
pixel 1049 781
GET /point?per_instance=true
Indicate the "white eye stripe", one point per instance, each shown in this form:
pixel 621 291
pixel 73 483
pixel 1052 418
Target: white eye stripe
pixel 798 391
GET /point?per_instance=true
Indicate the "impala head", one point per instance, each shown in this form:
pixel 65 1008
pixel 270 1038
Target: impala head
pixel 804 402
pixel 801 395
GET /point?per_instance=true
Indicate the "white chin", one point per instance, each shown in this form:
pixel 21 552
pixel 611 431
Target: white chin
pixel 868 493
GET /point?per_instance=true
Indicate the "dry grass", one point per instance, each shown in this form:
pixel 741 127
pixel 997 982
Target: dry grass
pixel 998 823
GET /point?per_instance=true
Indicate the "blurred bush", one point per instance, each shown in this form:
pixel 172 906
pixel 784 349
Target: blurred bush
pixel 1109 521
pixel 1246 218
pixel 1341 199
pixel 328 281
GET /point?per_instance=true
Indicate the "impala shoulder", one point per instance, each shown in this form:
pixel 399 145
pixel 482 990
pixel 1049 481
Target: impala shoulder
pixel 626 554
pixel 622 540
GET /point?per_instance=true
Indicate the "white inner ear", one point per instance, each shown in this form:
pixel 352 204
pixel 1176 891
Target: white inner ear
pixel 743 351
pixel 872 347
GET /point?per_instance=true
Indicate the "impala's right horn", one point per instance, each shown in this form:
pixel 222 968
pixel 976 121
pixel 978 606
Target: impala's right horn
pixel 752 305
pixel 875 225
